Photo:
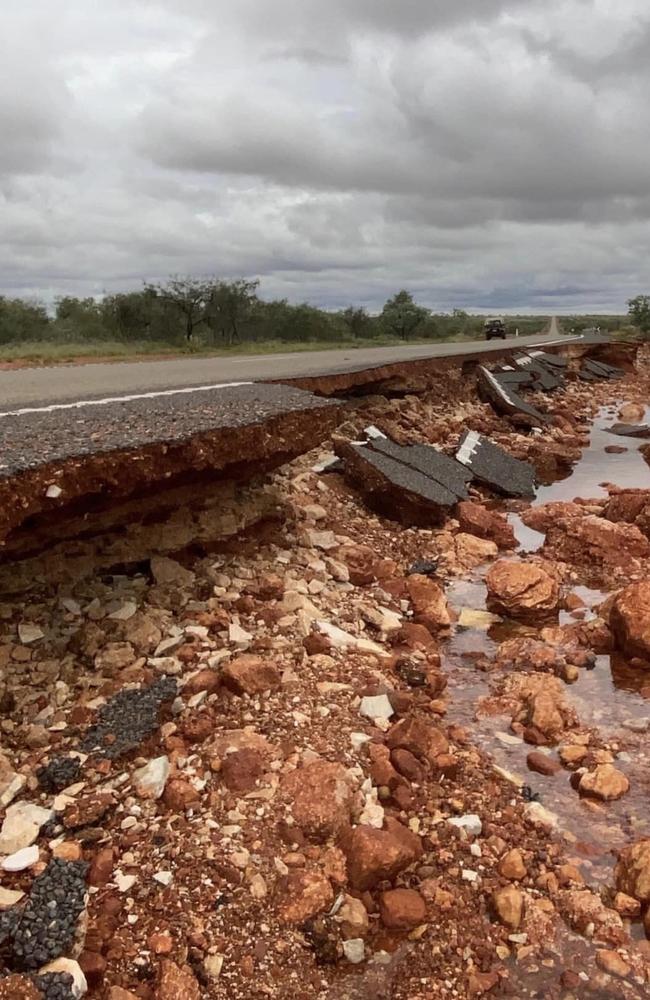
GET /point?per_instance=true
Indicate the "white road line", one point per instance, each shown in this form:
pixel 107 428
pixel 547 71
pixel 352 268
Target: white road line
pixel 119 399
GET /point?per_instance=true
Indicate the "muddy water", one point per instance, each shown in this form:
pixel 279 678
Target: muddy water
pixel 612 699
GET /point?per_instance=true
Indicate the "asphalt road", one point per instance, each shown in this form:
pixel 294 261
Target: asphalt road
pixel 34 387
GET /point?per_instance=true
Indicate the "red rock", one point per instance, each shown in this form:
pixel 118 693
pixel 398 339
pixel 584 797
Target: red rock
pixel 605 783
pixel 362 563
pixel 93 967
pixel 541 763
pixel 626 505
pixel 316 643
pixel 402 909
pixel 594 539
pixel 240 771
pixel 633 871
pixel 203 680
pixel 415 637
pixel 632 413
pixel 198 727
pixel 304 895
pixel 376 856
pixel 176 982
pixel 407 765
pixel 630 620
pixel 612 963
pixel 509 905
pixel 248 674
pixel 522 590
pixel 429 603
pixel 484 523
pixel 179 794
pixel 321 797
pixel 419 737
pixel 117 993
pixel 87 810
pixel 480 983
pixel 582 908
pixel 160 943
pixel 101 867
pixel 512 865
pixel 269 588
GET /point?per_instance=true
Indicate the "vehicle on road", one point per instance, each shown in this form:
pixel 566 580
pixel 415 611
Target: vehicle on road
pixel 495 326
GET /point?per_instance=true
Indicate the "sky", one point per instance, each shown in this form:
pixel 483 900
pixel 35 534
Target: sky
pixel 484 154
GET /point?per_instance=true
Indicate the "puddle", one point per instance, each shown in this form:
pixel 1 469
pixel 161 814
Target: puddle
pixel 613 698
pixel 628 470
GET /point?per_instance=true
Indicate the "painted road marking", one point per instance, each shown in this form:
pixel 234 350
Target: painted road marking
pixel 120 399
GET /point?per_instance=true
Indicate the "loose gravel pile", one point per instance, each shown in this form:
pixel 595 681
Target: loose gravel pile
pixel 46 926
pixel 59 773
pixel 55 986
pixel 128 719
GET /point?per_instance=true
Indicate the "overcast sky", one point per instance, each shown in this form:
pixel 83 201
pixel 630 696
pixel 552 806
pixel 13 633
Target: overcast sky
pixel 482 153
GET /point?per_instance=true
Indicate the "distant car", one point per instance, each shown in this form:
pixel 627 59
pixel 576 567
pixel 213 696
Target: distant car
pixel 495 326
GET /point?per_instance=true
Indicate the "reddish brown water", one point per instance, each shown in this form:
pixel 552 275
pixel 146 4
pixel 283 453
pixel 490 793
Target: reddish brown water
pixel 607 698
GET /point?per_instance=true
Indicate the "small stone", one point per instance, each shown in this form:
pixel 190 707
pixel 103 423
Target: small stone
pixel 402 908
pixel 542 763
pixel 305 895
pixel 160 944
pixel 250 675
pixel 28 633
pixel 212 965
pixel 149 781
pixel 612 963
pixel 164 878
pixel 22 825
pixel 512 865
pixel 470 822
pixel 354 950
pixel 176 982
pixel 572 756
pixel 376 707
pixel 21 860
pixel 509 906
pixel 379 855
pixel 9 897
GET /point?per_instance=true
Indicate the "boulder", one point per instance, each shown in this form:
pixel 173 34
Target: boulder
pixel 586 913
pixel 251 675
pixel 522 590
pixel 593 539
pixel 304 895
pixel 402 909
pixel 475 519
pixel 320 798
pixel 429 603
pixel 376 856
pixel 633 871
pixel 632 413
pixel 605 783
pixel 470 552
pixel 630 620
pixel 419 737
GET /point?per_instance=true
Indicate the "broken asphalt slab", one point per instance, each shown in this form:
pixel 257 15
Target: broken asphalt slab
pixel 430 462
pixel 503 396
pixel 495 467
pixel 59 457
pixel 545 378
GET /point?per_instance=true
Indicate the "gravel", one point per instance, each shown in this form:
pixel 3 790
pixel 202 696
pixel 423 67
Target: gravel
pixel 128 719
pixel 59 773
pixel 55 985
pixel 47 924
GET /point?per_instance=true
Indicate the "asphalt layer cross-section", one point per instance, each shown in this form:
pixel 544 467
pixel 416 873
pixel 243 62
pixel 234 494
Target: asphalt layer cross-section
pixel 31 440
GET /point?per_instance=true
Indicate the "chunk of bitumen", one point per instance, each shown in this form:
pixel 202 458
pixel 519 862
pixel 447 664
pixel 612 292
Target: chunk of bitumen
pixel 430 462
pixel 55 985
pixel 405 477
pixel 128 718
pixel 547 378
pixel 550 360
pixel 503 397
pixel 495 467
pixel 58 773
pixel 47 924
pixel 423 567
pixel 9 921
pixel 602 370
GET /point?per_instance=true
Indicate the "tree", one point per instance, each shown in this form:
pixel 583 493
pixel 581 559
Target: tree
pixel 231 305
pixel 639 311
pixel 402 315
pixel 190 297
pixel 357 321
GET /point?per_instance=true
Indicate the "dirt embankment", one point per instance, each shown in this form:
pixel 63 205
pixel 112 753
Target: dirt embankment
pixel 276 764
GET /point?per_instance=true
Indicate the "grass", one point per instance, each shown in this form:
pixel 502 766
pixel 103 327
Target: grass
pixel 54 352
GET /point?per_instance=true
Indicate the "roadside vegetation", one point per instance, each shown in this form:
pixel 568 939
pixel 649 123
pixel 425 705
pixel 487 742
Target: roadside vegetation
pixel 211 316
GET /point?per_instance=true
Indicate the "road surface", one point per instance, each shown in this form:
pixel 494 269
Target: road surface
pixel 34 387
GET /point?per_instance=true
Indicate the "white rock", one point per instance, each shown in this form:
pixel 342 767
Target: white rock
pixel 21 860
pixel 239 636
pixel 22 825
pixel 10 784
pixel 540 816
pixel 168 571
pixel 470 822
pixel 27 632
pixel 213 965
pixel 373 811
pixel 53 492
pixel 124 882
pixel 123 613
pixel 354 950
pixel 344 640
pixel 508 739
pixel 149 781
pixel 79 986
pixel 472 618
pixel 325 540
pixel 9 897
pixel 469 875
pixel 164 878
pixel 376 707
pixel 359 740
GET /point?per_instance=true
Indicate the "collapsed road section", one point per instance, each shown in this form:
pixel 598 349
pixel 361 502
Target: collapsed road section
pixel 107 482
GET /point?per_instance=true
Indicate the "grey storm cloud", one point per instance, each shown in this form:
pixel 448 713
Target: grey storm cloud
pixel 484 153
